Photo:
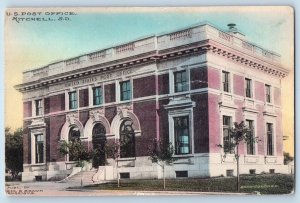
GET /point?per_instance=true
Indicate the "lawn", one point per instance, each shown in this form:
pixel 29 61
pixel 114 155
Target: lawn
pixel 265 184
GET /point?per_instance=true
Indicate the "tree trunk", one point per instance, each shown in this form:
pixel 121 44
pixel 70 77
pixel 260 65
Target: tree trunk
pixel 237 169
pixel 118 178
pixel 164 177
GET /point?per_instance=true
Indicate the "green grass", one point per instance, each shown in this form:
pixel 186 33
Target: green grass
pixel 265 184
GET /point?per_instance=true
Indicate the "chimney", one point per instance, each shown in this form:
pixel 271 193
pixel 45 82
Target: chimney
pixel 234 31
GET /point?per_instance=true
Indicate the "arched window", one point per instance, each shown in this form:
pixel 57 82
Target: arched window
pixel 99 141
pixel 74 133
pixel 127 148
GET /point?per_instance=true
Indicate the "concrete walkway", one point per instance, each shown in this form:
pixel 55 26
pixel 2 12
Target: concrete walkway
pixel 61 189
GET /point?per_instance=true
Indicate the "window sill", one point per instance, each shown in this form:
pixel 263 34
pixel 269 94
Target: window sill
pixel 38 164
pixel 127 159
pixel 183 156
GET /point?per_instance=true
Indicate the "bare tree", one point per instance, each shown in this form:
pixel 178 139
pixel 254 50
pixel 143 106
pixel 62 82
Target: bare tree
pixel 161 153
pixel 240 133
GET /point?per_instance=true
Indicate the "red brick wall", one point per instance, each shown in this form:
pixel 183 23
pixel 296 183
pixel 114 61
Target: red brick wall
pixel 198 78
pixel 163 84
pixel 55 103
pixel 110 93
pixel 238 85
pixel 214 123
pixel 56 124
pixel 26 143
pixel 201 131
pixel 146 113
pixel 83 117
pixel 48 135
pixel 27 109
pixel 110 113
pixel 163 120
pixel 214 78
pixel 277 96
pixel 259 91
pixel 83 98
pixel 279 135
pixel 143 87
pixel 260 129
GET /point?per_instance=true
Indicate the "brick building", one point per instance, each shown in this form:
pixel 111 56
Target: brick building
pixel 187 86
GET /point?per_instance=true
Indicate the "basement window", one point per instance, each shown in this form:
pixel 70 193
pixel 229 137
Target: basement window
pixel 229 172
pixel 272 171
pixel 38 178
pixel 124 175
pixel 181 174
pixel 252 171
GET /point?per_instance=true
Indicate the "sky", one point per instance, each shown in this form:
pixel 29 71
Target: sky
pixel 32 44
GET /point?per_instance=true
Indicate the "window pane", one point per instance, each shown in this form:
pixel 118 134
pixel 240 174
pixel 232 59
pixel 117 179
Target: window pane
pixel 251 137
pixel 268 93
pixel 181 129
pixel 180 81
pixel 125 91
pixel 248 88
pixel 270 146
pixel 72 100
pixel 227 139
pixel 97 96
pixel 38 107
pixel 127 138
pixel 39 149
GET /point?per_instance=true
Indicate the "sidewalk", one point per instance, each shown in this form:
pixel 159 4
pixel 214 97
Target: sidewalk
pixel 61 189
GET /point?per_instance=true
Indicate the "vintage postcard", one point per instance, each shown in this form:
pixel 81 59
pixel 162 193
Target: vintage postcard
pixel 149 101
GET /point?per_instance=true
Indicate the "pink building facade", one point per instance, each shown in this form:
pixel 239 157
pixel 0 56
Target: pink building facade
pixel 187 87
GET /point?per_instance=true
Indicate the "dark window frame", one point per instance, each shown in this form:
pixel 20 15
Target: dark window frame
pixel 270 139
pixel 39 148
pixel 248 88
pixel 38 107
pixel 73 101
pixel 127 139
pixel 181 131
pixel 251 133
pixel 226 81
pixel 97 96
pixel 227 139
pixel 181 81
pixel 125 90
pixel 268 93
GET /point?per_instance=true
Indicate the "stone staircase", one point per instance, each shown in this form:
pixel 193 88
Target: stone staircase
pixel 87 178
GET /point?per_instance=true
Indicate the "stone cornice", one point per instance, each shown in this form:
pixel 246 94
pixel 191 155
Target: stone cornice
pixel 131 54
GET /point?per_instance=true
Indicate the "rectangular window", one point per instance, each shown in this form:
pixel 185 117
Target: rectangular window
pixel 180 81
pixel 125 90
pixel 73 100
pixel 270 146
pixel 38 107
pixel 251 138
pixel 97 96
pixel 182 136
pixel 39 149
pixel 227 139
pixel 248 88
pixel 225 81
pixel 268 93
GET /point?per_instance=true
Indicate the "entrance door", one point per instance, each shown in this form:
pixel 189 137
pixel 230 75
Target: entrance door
pixel 99 141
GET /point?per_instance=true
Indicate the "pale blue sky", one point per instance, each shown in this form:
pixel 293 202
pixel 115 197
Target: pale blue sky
pixel 92 31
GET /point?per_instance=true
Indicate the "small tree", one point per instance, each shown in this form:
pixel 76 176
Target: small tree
pixel 240 133
pixel 113 151
pixel 77 152
pixel 161 153
pixel 287 158
pixel 14 151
